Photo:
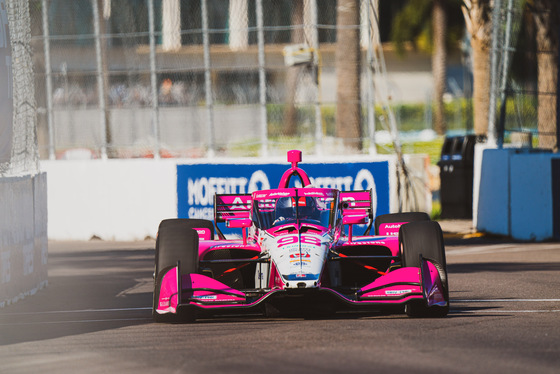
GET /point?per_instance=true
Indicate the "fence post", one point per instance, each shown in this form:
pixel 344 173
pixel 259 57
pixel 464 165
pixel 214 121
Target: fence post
pixel 153 81
pixel 208 80
pixel 503 84
pixel 48 74
pixel 370 87
pixel 262 79
pixel 316 71
pixel 105 132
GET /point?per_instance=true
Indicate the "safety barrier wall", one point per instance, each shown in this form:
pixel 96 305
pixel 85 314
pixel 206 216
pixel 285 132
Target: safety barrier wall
pixel 519 194
pixel 111 199
pixel 23 236
pixel 126 199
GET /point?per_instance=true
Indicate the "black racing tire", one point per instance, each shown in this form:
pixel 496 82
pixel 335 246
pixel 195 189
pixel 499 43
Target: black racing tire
pixel 176 241
pixel 424 239
pixel 399 217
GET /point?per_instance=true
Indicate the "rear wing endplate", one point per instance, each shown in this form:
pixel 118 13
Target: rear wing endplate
pixel 358 206
pixel 230 207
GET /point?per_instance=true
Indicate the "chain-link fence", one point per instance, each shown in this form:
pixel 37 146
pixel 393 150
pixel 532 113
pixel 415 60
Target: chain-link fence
pixel 525 62
pixel 178 78
pixel 187 78
pixel 18 142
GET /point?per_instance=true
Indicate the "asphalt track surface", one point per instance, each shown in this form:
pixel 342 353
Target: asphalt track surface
pixel 95 317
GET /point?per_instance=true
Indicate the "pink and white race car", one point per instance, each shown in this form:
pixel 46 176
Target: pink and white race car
pixel 298 253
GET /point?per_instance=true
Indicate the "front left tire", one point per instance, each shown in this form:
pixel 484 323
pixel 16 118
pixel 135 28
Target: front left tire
pixel 177 241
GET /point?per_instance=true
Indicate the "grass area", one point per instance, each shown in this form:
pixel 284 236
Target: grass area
pixel 280 145
pixel 436 210
pixel 431 148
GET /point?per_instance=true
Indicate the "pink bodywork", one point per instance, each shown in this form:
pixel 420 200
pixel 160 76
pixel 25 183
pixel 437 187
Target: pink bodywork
pixel 388 289
pixel 395 287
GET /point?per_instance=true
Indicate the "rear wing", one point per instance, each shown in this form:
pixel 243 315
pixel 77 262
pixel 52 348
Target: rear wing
pixel 357 207
pixel 229 208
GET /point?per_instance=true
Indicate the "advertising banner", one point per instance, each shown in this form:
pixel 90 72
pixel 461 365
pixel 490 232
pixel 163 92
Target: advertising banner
pixel 197 184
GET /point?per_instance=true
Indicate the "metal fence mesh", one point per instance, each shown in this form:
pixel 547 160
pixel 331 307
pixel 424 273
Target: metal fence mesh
pixel 182 78
pixel 209 64
pixel 23 157
pixel 526 107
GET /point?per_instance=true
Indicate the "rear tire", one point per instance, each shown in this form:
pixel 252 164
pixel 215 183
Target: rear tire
pixel 424 239
pixel 399 217
pixel 176 241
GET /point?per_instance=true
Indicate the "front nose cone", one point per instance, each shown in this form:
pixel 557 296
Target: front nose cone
pixel 301 284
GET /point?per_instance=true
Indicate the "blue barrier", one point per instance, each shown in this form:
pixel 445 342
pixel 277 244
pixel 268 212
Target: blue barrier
pixel 197 184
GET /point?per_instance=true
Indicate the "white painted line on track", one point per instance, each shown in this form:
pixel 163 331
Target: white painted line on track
pixel 83 321
pixel 460 310
pixel 471 250
pixel 499 248
pixel 78 311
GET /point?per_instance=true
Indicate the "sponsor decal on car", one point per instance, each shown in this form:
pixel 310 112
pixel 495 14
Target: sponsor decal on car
pixel 273 194
pixel 366 242
pixel 396 292
pixel 307 193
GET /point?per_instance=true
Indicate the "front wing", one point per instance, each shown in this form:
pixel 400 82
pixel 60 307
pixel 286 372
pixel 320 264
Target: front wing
pixel 394 288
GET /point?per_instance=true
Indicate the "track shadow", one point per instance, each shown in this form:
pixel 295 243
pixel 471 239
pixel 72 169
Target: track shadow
pixel 84 296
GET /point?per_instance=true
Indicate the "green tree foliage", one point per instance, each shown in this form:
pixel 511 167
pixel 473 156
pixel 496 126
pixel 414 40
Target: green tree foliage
pixel 413 25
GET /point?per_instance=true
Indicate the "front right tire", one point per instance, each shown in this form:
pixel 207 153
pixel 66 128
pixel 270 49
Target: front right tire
pixel 424 240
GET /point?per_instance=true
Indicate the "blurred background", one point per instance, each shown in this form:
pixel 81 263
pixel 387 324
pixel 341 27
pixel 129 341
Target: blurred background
pixel 178 78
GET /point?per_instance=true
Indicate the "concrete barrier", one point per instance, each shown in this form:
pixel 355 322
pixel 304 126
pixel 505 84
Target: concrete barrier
pixel 111 199
pixel 533 196
pixel 493 213
pixel 127 199
pixel 519 194
pixel 23 237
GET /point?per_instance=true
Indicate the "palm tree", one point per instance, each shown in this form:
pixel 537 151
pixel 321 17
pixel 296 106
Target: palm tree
pixel 547 19
pixel 478 19
pixel 347 60
pixel 430 25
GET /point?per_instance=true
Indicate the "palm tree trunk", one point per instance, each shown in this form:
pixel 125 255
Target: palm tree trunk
pixel 481 85
pixel 439 62
pixel 547 20
pixel 478 19
pixel 347 60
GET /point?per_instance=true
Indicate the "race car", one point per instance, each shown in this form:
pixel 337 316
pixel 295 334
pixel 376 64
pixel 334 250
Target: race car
pixel 297 252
